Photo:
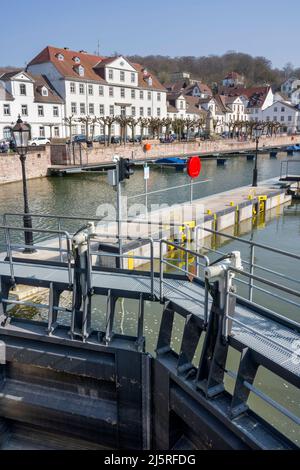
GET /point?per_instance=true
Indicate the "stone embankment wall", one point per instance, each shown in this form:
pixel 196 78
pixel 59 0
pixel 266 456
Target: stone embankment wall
pixel 37 164
pixel 63 154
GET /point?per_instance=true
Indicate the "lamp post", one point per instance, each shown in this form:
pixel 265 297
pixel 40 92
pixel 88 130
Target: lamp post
pixel 21 134
pixel 257 134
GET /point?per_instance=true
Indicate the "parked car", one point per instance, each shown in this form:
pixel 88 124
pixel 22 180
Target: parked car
pixel 38 141
pixel 166 140
pixel 101 139
pixel 80 138
pixel 115 139
pixel 137 139
pixel 4 146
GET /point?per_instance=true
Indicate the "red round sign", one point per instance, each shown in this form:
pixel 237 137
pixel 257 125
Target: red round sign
pixel 194 167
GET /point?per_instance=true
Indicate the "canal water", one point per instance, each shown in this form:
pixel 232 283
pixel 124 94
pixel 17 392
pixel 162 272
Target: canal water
pixel 82 195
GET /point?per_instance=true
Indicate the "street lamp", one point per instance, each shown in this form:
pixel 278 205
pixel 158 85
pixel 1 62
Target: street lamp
pixel 258 130
pixel 21 135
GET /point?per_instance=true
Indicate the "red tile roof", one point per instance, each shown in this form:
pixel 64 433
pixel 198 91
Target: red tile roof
pixel 233 75
pixel 255 95
pixel 91 63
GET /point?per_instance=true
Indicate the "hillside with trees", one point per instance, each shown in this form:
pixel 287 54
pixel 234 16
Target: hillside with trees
pixel 212 69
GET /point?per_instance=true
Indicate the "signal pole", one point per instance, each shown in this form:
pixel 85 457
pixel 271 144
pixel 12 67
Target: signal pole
pixel 119 215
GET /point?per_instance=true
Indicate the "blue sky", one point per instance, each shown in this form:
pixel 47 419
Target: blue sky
pixel 167 27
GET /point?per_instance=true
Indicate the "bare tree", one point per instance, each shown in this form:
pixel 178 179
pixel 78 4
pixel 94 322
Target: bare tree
pixel 89 122
pixel 70 121
pixel 107 121
pixel 143 123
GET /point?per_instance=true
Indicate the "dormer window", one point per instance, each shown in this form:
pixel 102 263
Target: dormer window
pixel 76 60
pixel 150 81
pixel 45 91
pixel 60 57
pixel 80 70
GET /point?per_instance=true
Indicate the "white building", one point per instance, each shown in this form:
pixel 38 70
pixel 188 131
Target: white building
pixel 233 79
pixel 290 85
pixel 295 97
pixel 286 114
pixel 183 83
pixel 183 107
pixel 98 87
pixel 35 100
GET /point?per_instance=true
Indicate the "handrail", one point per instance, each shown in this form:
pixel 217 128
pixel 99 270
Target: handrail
pixel 59 218
pixel 187 252
pixel 229 293
pixel 8 229
pixel 252 265
pixel 247 242
pixel 149 240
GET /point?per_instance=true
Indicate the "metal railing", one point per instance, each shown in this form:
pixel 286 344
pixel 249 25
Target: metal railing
pixel 59 219
pixel 229 293
pixel 252 267
pixel 11 247
pixel 286 172
pixel 121 256
pixel 183 271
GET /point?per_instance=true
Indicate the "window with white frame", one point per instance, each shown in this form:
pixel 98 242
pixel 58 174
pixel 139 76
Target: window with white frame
pixel 289 118
pixel 81 88
pixel 55 111
pixel 111 110
pixel 141 111
pixel 158 96
pixel 81 70
pixel 282 118
pixel 149 112
pixel 73 108
pixel 42 131
pixel 6 110
pixel 133 111
pixel 24 110
pixel 122 76
pixel 158 112
pixel 83 129
pixel 149 95
pixel 82 108
pixel 23 89
pixel 56 131
pixel 123 110
pixel 141 95
pixel 101 90
pixel 91 90
pixel 282 109
pixel 72 88
pixel 112 130
pixel 91 108
pixel 110 74
pixel 122 91
pixel 111 91
pixel 133 78
pixel 101 109
pixel 7 133
pixel 133 94
pixel 101 130
pixel 40 111
pixel 275 109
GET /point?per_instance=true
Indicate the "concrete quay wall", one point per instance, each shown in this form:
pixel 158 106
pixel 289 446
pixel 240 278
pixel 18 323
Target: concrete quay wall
pixel 233 218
